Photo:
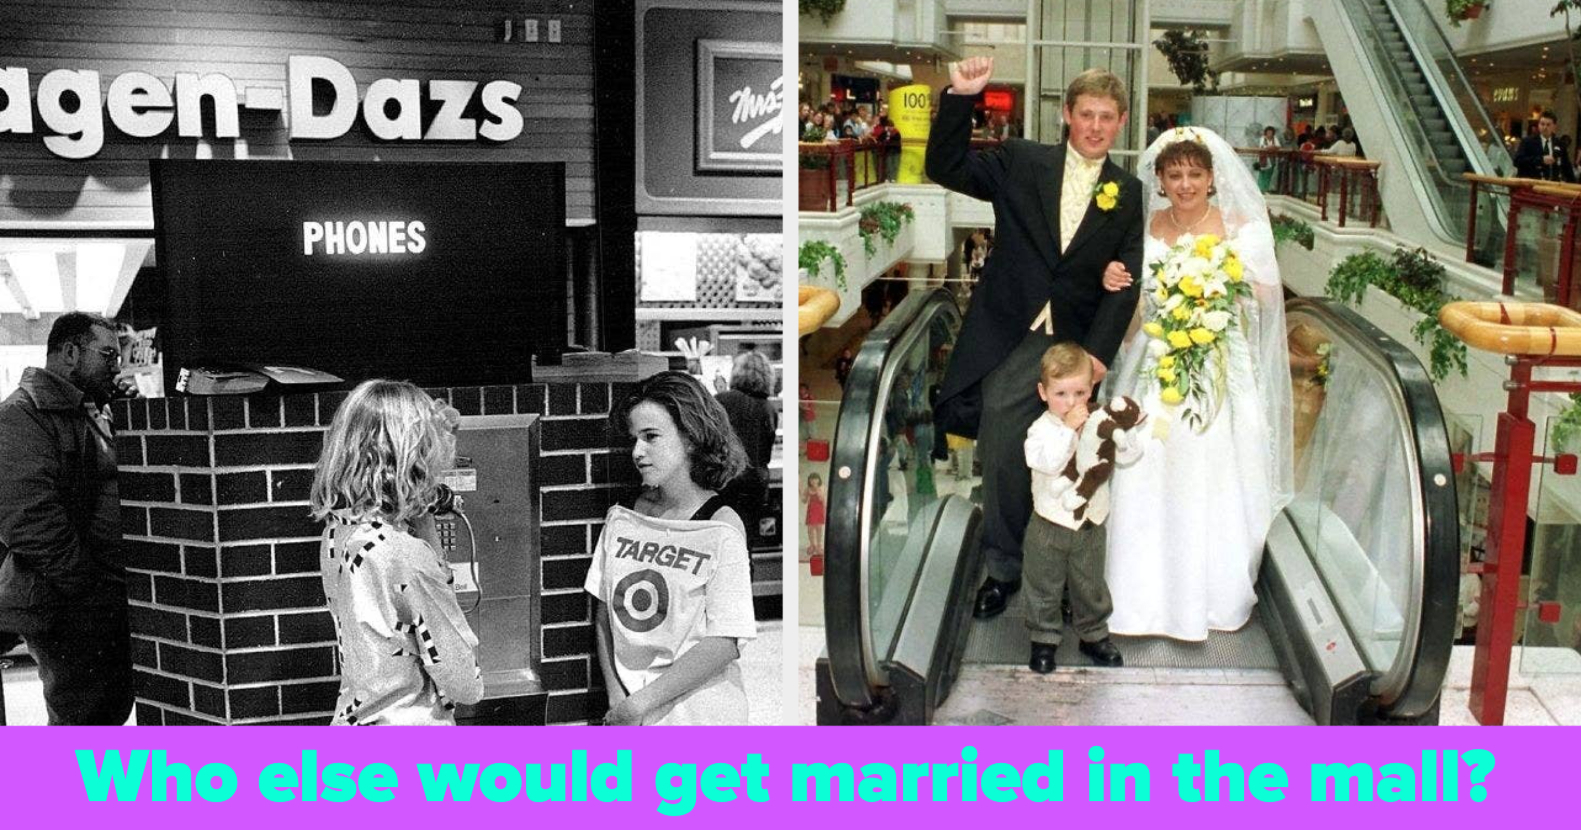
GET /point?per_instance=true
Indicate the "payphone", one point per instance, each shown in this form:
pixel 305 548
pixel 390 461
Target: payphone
pixel 491 545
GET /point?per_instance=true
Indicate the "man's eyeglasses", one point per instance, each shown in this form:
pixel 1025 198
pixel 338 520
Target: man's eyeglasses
pixel 111 354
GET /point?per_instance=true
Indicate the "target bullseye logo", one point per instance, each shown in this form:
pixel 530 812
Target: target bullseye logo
pixel 641 600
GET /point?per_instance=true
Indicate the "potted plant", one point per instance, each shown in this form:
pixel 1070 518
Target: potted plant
pixel 1460 10
pixel 812 185
pixel 1187 54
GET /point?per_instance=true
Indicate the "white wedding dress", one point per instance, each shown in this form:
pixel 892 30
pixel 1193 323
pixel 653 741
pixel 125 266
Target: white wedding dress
pixel 1188 521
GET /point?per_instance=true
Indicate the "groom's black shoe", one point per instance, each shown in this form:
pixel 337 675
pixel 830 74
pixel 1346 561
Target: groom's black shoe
pixel 1042 660
pixel 993 597
pixel 1103 653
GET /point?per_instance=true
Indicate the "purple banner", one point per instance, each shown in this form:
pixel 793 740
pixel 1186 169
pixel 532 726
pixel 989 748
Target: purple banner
pixel 773 777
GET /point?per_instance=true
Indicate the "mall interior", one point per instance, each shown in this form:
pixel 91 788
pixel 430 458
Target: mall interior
pixel 1412 509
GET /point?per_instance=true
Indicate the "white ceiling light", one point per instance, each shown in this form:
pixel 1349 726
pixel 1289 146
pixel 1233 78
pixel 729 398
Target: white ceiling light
pixel 98 269
pixel 38 278
pixel 55 275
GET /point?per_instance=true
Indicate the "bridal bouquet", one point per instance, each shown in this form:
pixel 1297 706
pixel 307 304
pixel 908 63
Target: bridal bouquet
pixel 1196 286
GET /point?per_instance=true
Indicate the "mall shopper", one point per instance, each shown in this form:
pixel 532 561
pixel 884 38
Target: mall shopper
pixel 407 655
pixel 755 421
pixel 62 571
pixel 671 573
pixel 1540 156
pixel 1267 165
pixel 1345 146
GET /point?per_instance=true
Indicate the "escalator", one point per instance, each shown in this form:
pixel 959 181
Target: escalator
pixel 1357 590
pixel 1414 105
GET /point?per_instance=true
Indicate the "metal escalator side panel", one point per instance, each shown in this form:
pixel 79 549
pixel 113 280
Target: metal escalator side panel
pixel 1408 661
pixel 1323 657
pixel 931 641
pixel 854 674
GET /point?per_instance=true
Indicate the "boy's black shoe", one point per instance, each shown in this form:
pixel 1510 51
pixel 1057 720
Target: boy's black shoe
pixel 993 597
pixel 1042 660
pixel 1103 652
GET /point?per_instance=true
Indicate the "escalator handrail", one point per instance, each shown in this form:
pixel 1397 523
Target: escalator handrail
pixel 1409 688
pixel 854 669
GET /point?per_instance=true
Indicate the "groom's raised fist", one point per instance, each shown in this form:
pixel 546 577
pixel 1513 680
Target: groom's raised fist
pixel 970 76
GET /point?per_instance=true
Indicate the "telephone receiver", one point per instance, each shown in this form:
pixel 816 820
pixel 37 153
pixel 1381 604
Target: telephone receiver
pixel 444 501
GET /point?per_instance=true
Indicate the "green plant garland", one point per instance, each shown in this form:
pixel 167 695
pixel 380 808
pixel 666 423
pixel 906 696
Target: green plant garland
pixel 824 9
pixel 1416 280
pixel 1291 229
pixel 885 217
pixel 812 253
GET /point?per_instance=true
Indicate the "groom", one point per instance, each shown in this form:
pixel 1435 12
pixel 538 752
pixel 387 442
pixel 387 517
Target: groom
pixel 1061 214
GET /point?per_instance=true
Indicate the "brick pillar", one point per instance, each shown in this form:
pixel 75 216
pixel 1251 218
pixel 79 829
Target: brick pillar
pixel 228 617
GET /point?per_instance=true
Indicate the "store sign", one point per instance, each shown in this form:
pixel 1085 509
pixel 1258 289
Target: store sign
pixel 1306 103
pixel 72 106
pixel 357 238
pixel 741 95
pixel 1505 94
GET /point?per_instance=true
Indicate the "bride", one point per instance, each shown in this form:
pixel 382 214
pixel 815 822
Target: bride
pixel 1189 519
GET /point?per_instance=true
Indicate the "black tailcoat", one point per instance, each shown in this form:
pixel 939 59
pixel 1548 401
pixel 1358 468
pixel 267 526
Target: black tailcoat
pixel 1026 268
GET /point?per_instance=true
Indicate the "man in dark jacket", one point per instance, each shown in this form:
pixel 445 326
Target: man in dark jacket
pixel 62 577
pixel 1541 157
pixel 1062 213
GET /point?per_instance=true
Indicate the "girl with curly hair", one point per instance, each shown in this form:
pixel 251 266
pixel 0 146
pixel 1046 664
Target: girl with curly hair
pixel 407 655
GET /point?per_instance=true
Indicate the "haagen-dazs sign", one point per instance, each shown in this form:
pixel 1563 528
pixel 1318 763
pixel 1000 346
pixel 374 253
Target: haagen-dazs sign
pixel 741 94
pixel 72 107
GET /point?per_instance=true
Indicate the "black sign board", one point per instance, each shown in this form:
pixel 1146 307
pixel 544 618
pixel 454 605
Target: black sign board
pixel 441 274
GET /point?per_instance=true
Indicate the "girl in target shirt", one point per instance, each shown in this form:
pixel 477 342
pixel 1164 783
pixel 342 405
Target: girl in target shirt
pixel 671 574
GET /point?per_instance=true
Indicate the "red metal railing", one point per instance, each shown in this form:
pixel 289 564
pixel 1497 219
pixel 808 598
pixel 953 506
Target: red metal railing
pixel 1531 337
pixel 1553 211
pixel 825 166
pixel 855 164
pixel 1348 186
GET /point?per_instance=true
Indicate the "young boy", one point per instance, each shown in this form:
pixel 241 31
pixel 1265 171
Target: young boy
pixel 1058 546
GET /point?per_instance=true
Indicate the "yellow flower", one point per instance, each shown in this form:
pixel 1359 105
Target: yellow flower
pixel 1233 267
pixel 1181 313
pixel 1179 340
pixel 1201 336
pixel 1205 245
pixel 1106 202
pixel 1153 329
pixel 1190 286
pixel 1161 294
pixel 1110 189
pixel 1166 375
pixel 1170 395
pixel 1166 362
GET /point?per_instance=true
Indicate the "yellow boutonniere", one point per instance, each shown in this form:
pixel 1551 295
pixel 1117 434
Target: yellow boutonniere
pixel 1107 195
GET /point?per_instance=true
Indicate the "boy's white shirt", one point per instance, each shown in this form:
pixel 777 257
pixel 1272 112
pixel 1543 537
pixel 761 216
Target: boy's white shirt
pixel 1049 447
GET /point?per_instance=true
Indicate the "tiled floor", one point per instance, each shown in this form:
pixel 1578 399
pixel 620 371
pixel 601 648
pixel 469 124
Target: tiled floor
pixel 761 668
pixel 1001 694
